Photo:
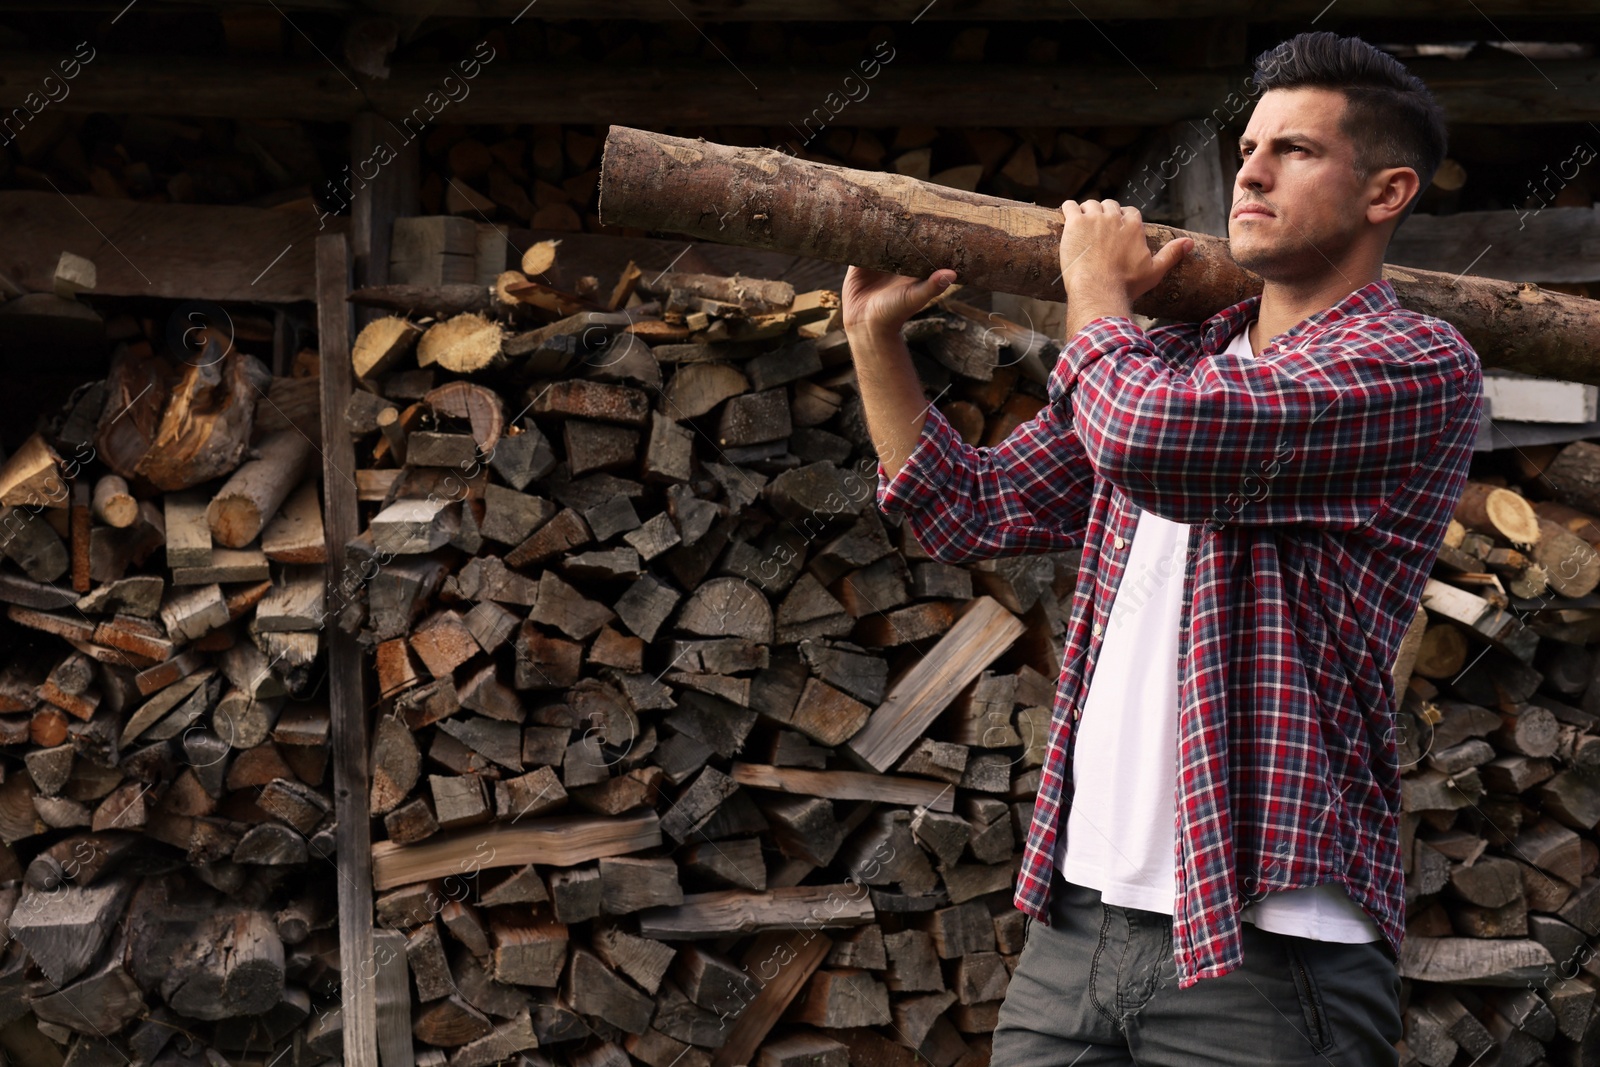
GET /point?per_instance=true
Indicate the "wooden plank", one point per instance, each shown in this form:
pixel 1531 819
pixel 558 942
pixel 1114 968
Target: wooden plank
pixel 900 10
pixel 1526 398
pixel 1489 90
pixel 188 251
pixel 1555 244
pixel 1487 961
pixel 393 996
pixel 561 841
pixel 982 633
pixel 347 699
pixel 741 911
pixel 795 955
pixel 847 785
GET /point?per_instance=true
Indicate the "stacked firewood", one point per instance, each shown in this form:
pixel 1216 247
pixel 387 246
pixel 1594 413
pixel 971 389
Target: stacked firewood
pixel 680 753
pixel 1500 738
pixel 684 755
pixel 166 842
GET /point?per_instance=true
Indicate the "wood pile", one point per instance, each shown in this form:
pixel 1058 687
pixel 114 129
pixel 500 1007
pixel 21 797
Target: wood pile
pixel 1499 736
pixel 680 754
pixel 165 822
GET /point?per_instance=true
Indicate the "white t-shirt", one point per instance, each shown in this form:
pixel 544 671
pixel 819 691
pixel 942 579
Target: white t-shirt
pixel 1120 834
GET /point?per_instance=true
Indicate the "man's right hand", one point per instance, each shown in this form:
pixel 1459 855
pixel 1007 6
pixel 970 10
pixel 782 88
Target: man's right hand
pixel 878 302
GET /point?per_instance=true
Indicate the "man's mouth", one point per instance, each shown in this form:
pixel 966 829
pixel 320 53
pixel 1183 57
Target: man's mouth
pixel 1252 211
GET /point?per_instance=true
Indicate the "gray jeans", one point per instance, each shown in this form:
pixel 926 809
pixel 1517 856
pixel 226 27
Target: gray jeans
pixel 1099 986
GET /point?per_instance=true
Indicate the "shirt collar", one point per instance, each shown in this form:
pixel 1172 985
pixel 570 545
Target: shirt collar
pixel 1219 329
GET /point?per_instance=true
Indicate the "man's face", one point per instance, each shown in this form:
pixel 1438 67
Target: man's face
pixel 1298 204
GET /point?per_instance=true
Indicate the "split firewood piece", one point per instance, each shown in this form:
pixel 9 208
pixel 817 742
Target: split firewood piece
pixel 728 607
pixel 294 604
pixel 295 534
pixel 248 668
pixel 556 840
pixel 396 426
pixel 79 519
pixel 31 477
pixel 696 388
pixel 980 635
pixel 1498 627
pixel 252 496
pixel 480 406
pixel 463 344
pixel 415 526
pixel 230 963
pixel 29 540
pixel 192 614
pixel 740 911
pixel 540 257
pixel 113 504
pixel 530 954
pixel 381 345
pixel 206 425
pixel 244 721
pixel 228 565
pixel 64 928
pixel 396 765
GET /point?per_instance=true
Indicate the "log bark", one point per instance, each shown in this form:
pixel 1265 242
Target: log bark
pixel 764 198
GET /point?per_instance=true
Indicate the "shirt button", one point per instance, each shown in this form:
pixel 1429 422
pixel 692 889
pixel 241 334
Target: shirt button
pixel 1118 541
pixel 1097 629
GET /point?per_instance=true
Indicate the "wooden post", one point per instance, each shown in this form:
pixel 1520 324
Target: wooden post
pixel 764 198
pixel 391 194
pixel 346 681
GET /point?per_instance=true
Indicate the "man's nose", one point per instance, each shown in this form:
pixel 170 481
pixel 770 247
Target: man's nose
pixel 1252 174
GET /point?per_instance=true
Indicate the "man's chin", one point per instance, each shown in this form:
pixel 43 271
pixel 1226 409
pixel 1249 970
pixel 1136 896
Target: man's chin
pixel 1270 263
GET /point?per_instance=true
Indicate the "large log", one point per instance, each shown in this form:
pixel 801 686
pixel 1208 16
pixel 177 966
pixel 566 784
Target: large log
pixel 764 198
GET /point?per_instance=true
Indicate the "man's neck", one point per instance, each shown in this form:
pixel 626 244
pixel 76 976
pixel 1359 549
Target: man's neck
pixel 1285 305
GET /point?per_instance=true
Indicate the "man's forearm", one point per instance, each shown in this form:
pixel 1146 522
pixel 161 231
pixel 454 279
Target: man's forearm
pixel 1086 305
pixel 891 393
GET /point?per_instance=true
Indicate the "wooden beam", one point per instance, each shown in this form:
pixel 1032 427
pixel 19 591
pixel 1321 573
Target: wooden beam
pixel 796 954
pixel 189 251
pixel 763 198
pixel 347 699
pixel 847 785
pixel 1478 91
pixel 1558 244
pixel 561 841
pixel 983 632
pixel 1289 11
pixel 391 194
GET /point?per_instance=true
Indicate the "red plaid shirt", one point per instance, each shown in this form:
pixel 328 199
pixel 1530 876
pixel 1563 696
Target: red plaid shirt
pixel 1318 479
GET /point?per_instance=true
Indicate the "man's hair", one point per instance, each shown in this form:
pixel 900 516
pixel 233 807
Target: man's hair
pixel 1391 117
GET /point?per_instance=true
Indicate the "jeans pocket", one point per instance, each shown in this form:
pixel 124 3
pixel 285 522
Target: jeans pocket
pixel 1318 1032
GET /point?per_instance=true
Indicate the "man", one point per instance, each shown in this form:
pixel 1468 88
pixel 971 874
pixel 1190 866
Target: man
pixel 1258 499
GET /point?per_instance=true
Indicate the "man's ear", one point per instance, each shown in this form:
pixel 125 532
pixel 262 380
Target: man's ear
pixel 1391 189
